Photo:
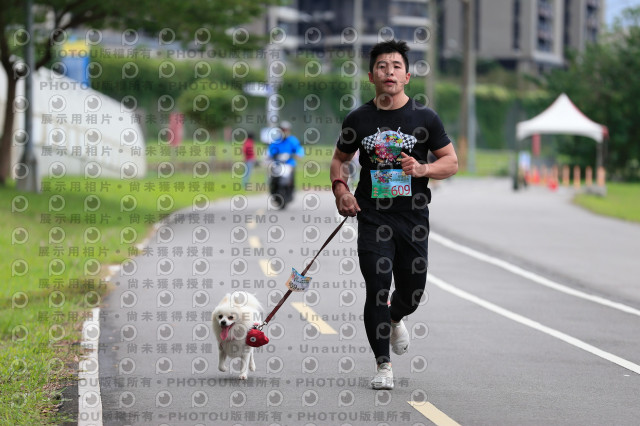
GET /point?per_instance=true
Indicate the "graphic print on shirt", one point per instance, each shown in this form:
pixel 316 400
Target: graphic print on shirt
pixel 384 147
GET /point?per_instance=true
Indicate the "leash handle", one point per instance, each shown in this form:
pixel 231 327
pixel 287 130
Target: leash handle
pixel 288 293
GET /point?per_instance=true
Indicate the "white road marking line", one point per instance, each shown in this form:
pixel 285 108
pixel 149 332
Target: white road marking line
pixel 535 325
pixel 89 399
pixel 530 275
pixel 312 317
pixel 432 413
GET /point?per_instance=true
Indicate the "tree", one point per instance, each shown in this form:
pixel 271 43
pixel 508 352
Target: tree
pixel 203 22
pixel 604 83
pixel 212 104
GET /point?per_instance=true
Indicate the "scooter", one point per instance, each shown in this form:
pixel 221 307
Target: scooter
pixel 280 181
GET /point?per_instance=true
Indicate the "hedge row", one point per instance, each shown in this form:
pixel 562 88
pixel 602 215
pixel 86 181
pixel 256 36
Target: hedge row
pixel 311 98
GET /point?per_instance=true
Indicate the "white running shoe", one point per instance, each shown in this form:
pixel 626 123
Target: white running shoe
pixel 384 377
pixel 399 338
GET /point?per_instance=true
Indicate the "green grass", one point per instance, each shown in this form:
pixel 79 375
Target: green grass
pixel 622 201
pixel 491 163
pixel 41 311
pixel 33 374
pixel 190 151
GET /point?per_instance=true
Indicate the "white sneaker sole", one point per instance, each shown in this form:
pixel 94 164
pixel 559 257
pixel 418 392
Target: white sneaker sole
pixel 401 346
pixel 400 349
pixel 386 384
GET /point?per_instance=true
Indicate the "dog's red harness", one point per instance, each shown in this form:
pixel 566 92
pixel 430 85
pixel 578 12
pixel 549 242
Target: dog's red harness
pixel 255 336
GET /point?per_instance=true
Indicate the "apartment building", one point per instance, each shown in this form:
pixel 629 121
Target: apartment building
pixel 329 26
pixel 526 35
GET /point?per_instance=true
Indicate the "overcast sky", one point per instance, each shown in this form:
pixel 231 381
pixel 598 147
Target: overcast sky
pixel 615 7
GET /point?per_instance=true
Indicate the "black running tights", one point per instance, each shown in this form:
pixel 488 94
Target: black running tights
pixel 409 287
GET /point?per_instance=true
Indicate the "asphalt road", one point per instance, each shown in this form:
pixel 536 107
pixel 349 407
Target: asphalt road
pixel 531 317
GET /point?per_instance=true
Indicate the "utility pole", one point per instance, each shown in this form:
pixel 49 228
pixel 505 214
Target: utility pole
pixel 357 49
pixel 273 81
pixel 30 181
pixel 432 52
pixel 467 138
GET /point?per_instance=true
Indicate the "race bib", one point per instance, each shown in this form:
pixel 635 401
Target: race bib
pixel 390 184
pixel 297 281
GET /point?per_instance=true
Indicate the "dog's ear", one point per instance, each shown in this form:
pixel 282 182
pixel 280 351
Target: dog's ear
pixel 240 298
pixel 225 300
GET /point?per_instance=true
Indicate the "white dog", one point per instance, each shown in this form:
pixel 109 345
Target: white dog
pixel 234 316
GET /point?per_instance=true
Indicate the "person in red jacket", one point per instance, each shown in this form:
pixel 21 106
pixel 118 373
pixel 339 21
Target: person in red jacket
pixel 249 153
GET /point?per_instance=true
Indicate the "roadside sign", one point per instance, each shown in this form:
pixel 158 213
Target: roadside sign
pixel 258 89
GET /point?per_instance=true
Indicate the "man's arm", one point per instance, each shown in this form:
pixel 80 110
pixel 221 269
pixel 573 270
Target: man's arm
pixel 445 166
pixel 294 147
pixel 345 201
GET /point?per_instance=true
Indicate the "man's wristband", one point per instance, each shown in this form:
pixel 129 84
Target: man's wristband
pixel 337 181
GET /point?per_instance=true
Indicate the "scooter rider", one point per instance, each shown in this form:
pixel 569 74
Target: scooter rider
pixel 287 144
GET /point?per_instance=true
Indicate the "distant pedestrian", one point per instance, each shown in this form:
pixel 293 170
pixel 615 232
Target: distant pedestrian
pixel 249 153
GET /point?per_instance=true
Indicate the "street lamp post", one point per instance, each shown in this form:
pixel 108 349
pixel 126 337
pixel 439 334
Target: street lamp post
pixel 272 81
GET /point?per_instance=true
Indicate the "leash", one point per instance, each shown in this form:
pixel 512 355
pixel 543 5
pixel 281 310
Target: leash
pixel 288 293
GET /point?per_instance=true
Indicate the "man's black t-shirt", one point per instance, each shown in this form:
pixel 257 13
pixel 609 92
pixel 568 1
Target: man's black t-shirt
pixel 381 135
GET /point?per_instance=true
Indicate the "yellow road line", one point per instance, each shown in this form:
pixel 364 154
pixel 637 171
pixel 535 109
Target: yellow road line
pixel 311 316
pixel 254 242
pixel 432 413
pixel 253 225
pixel 264 265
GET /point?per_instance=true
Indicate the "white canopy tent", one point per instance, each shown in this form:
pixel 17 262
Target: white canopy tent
pixel 563 117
